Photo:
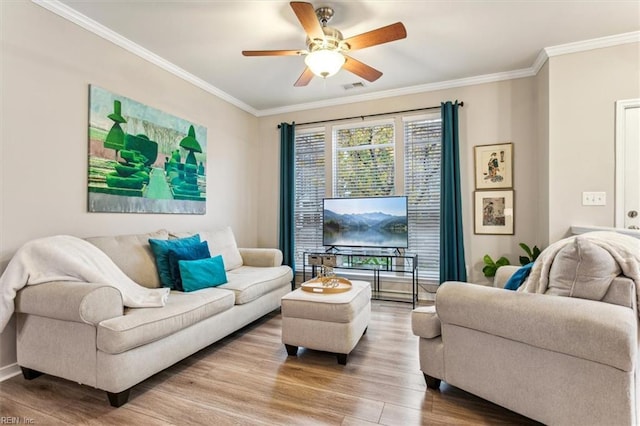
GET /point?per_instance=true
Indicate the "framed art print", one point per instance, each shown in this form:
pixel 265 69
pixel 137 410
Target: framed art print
pixel 494 212
pixel 494 166
pixel 142 159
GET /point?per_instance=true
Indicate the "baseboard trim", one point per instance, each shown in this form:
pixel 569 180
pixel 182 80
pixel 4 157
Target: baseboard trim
pixel 9 371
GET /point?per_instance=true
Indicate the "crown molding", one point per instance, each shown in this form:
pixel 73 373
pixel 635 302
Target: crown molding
pixel 539 62
pixel 595 43
pixel 412 90
pixel 582 46
pixel 100 30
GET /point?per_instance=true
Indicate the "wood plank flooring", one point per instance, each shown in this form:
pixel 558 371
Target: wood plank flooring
pixel 248 379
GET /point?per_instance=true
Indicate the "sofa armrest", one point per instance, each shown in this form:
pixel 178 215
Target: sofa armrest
pixel 587 329
pixel 425 322
pixel 503 274
pixel 261 257
pixel 71 301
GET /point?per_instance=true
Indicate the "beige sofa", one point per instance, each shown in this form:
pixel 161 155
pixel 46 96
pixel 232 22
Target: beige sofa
pixel 558 360
pixel 81 331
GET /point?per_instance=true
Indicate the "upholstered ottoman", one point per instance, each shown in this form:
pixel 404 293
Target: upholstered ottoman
pixel 326 322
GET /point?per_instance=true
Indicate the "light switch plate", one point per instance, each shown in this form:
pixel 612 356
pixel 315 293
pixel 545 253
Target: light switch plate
pixel 594 198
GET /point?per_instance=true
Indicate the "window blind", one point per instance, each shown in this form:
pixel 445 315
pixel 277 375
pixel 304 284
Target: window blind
pixel 309 191
pixel 422 147
pixel 364 161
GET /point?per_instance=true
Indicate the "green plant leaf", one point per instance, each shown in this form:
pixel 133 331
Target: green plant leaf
pixel 536 253
pixel 502 261
pixel 491 267
pixel 526 249
pixel 489 271
pixel 524 260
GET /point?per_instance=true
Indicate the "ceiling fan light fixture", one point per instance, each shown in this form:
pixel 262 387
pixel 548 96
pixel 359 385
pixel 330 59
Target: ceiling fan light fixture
pixel 324 62
pixel 327 50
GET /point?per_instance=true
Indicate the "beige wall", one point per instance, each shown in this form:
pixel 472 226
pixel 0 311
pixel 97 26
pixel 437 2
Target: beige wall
pixel 583 88
pixel 47 66
pixel 541 175
pixel 492 113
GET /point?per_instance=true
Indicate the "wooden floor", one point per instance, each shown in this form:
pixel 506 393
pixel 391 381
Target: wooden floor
pixel 248 379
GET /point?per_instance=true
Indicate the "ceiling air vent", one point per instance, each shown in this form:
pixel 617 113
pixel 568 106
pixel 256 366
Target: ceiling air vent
pixel 355 85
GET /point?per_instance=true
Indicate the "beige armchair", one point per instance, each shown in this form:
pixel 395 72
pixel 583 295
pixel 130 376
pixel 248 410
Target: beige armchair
pixel 558 360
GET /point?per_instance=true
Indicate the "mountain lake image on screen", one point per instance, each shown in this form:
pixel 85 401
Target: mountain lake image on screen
pixel 379 222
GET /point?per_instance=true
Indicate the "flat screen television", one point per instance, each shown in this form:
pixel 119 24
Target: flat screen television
pixel 378 222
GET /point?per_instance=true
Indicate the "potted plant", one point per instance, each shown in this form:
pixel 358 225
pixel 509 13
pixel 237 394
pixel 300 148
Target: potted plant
pixel 532 254
pixel 491 266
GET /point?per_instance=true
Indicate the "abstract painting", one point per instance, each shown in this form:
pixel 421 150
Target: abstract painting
pixel 143 160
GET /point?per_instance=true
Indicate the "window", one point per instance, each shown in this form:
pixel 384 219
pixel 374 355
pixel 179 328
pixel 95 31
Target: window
pixel 309 190
pixel 363 163
pixel 363 160
pixel 422 153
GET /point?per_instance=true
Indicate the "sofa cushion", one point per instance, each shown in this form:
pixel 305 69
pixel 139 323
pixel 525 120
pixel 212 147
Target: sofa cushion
pixel 250 282
pixel 221 242
pixel 193 252
pixel 133 255
pixel 160 249
pixel 582 269
pixel 202 273
pixel 140 326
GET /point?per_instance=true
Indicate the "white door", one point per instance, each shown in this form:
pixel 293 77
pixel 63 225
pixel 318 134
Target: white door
pixel 628 164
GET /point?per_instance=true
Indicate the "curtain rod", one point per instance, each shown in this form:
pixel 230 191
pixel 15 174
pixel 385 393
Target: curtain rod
pixel 370 115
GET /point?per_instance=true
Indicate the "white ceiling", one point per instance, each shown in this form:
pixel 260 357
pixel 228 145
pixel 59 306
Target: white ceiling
pixel 446 41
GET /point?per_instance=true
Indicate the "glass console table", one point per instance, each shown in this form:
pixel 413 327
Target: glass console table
pixel 382 264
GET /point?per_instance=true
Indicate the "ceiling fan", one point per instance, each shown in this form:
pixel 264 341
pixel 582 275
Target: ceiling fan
pixel 326 48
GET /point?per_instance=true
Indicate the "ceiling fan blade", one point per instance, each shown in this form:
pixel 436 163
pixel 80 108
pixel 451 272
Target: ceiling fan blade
pixel 307 16
pixel 361 69
pixel 386 34
pixel 304 78
pixel 271 52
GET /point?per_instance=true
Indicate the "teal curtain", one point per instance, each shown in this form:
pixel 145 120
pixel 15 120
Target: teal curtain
pixel 452 266
pixel 287 188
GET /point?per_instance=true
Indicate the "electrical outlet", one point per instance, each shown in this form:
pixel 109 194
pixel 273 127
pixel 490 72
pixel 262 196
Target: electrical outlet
pixel 594 198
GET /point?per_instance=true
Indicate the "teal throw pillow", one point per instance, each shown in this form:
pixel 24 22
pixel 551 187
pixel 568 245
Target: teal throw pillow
pixel 518 277
pixel 194 252
pixel 160 249
pixel 203 273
